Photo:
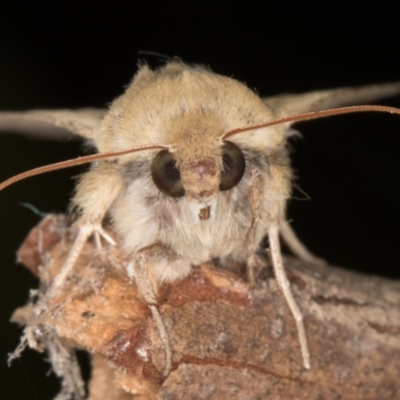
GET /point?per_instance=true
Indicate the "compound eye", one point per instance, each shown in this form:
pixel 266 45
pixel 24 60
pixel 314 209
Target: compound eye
pixel 166 176
pixel 233 166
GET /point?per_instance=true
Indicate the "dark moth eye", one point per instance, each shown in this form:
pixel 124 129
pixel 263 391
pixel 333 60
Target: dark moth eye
pixel 166 176
pixel 233 166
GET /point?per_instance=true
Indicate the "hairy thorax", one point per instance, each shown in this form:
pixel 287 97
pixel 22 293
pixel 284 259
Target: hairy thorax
pixel 143 217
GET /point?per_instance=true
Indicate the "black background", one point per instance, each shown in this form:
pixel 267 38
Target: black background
pixel 66 54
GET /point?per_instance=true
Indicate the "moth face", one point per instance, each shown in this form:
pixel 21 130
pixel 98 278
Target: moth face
pixel 199 181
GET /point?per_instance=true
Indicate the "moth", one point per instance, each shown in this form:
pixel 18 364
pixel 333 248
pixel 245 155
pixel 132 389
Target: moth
pixel 190 166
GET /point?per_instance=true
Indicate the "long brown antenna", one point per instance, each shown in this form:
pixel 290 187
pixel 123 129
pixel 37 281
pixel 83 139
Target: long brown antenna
pixel 77 161
pixel 314 115
pixel 292 118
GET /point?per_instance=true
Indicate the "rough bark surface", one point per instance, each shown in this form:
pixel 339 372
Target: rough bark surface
pixel 228 341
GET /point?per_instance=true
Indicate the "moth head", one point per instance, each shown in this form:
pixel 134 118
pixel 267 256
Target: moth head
pixel 200 180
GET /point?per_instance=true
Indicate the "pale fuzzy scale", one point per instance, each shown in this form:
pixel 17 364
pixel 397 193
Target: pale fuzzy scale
pixel 96 190
pixel 171 222
pixel 179 103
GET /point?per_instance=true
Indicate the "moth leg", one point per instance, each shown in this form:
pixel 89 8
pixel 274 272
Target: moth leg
pixel 256 183
pixel 284 284
pixel 96 191
pixel 279 270
pixel 98 233
pixel 147 288
pixel 296 246
pixel 85 231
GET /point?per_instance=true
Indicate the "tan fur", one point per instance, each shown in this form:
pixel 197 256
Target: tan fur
pixel 189 108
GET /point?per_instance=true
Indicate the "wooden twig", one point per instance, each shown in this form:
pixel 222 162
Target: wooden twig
pixel 228 341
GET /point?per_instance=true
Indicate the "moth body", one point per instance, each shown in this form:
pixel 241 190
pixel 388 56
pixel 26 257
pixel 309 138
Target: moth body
pixel 188 108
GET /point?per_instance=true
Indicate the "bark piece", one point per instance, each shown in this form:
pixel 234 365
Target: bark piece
pixel 228 341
